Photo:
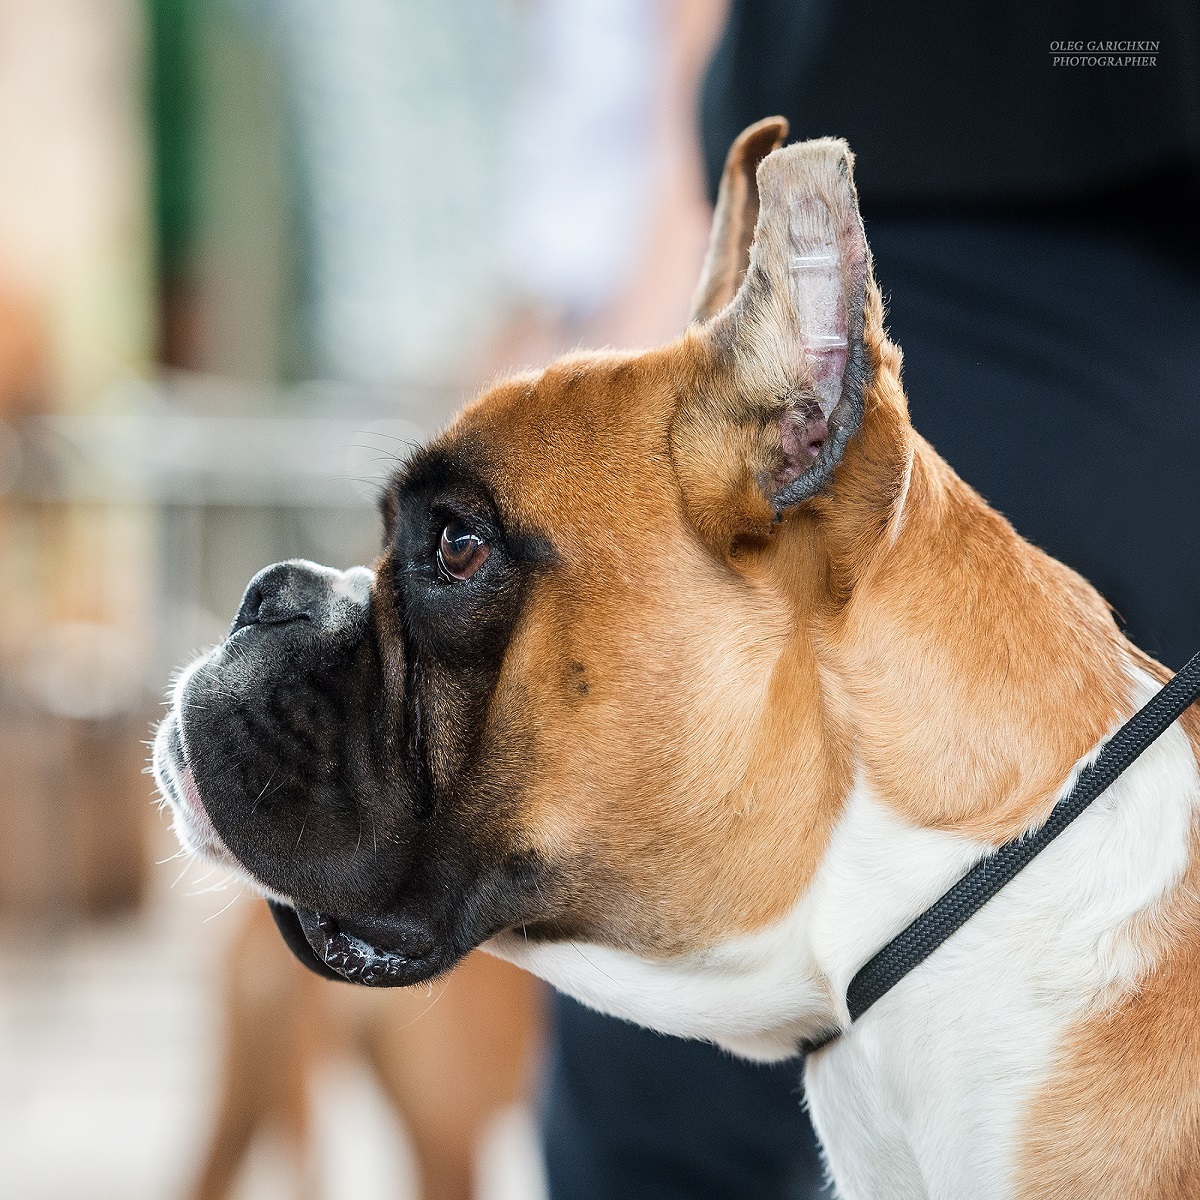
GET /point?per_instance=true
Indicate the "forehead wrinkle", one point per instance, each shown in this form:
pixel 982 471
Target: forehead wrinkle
pixel 558 449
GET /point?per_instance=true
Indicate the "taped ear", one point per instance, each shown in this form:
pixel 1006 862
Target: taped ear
pixel 772 421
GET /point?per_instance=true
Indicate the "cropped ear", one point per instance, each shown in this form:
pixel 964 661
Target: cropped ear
pixel 781 389
pixel 735 217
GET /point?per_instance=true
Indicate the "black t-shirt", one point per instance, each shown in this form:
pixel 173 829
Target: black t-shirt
pixel 955 106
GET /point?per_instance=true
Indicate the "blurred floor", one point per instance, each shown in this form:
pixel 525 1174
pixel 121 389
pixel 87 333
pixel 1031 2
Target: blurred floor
pixel 108 1068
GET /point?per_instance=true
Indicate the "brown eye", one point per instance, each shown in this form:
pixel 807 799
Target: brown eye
pixel 461 552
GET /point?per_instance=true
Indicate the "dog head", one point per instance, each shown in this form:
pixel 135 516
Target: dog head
pixel 577 708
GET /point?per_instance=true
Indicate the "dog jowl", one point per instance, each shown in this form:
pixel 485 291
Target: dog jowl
pixel 686 678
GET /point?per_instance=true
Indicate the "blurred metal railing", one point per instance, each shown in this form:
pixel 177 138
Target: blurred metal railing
pixel 203 442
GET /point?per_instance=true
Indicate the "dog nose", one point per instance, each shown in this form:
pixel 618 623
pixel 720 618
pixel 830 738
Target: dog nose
pixel 300 591
pixel 276 595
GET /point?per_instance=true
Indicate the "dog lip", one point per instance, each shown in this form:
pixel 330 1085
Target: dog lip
pixel 287 921
pixel 189 799
pixel 175 779
pixel 335 951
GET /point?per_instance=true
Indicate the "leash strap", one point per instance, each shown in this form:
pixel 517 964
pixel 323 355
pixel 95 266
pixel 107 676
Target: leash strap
pixel 920 939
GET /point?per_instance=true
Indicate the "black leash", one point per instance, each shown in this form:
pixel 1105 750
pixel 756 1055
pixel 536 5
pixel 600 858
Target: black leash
pixel 920 939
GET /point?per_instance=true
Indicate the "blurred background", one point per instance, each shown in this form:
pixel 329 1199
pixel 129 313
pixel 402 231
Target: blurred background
pixel 251 251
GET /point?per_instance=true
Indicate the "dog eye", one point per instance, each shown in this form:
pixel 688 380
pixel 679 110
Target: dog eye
pixel 461 552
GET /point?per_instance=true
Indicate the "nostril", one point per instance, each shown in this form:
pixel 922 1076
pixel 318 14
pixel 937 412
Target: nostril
pixel 249 610
pixel 288 592
pixel 277 595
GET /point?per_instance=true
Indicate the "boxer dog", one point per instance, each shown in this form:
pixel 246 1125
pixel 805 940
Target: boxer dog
pixel 686 679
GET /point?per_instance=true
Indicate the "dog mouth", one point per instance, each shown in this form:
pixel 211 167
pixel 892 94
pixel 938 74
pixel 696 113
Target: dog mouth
pixel 394 951
pixel 358 952
pixel 374 952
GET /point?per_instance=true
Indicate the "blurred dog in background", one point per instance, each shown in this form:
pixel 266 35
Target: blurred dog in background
pixel 449 1060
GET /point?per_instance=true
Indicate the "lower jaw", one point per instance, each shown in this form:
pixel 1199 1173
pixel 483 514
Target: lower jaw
pixel 324 946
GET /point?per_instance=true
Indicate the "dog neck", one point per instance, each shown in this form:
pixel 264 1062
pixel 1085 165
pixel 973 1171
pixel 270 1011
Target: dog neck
pixel 970 669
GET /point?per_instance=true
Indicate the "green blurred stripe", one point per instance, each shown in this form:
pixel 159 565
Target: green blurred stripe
pixel 173 86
